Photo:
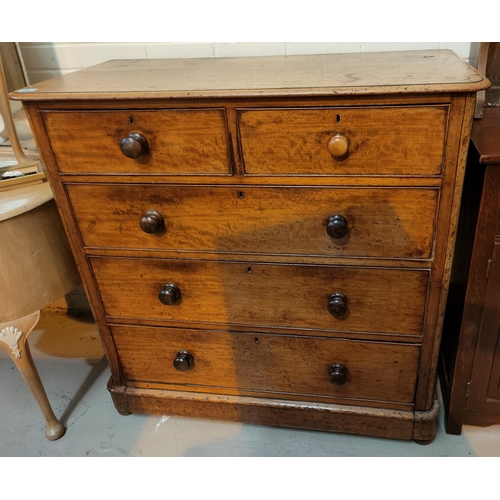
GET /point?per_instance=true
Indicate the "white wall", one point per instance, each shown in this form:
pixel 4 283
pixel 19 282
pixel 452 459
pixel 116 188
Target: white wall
pixel 48 59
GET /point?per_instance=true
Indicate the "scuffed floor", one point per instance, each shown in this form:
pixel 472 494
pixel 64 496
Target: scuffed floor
pixel 70 361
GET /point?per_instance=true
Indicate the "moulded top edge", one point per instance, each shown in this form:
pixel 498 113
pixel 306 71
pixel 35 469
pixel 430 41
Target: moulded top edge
pixel 310 75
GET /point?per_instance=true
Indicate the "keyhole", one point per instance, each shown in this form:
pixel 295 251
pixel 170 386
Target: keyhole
pixel 131 120
pixel 256 340
pixel 339 118
pixel 241 195
pixel 249 270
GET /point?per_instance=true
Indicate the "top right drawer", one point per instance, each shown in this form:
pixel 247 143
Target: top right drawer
pixel 392 140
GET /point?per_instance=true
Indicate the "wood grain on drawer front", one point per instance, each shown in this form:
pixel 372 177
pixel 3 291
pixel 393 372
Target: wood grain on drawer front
pixel 180 141
pixel 259 362
pixel 382 141
pixel 386 223
pixel 272 295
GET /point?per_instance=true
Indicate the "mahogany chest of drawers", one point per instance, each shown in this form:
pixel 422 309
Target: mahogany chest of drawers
pixel 265 240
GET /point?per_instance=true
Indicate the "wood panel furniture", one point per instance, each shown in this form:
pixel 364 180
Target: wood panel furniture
pixel 266 240
pixel 470 358
pixel 485 56
pixel 37 268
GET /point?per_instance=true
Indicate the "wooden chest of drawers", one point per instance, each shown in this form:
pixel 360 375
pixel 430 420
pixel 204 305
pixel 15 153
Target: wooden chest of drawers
pixel 265 240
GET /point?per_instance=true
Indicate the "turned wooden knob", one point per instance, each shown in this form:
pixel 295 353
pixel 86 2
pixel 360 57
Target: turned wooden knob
pixel 184 361
pixel 338 146
pixel 134 145
pixel 337 374
pixel 337 227
pixel 338 305
pixel 152 222
pixel 169 294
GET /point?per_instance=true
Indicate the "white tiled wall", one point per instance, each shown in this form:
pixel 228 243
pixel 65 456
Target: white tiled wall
pixel 48 59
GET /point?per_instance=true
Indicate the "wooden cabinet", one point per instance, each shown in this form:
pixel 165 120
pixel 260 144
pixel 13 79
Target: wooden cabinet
pixel 470 359
pixel 266 240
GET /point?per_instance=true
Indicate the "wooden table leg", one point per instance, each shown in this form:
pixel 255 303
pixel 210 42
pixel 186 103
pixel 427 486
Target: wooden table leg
pixel 13 337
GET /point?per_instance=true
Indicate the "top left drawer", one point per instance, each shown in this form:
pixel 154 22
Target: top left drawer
pixel 170 142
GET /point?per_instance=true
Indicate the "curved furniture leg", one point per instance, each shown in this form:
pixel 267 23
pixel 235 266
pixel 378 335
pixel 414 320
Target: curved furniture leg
pixel 6 113
pixel 13 337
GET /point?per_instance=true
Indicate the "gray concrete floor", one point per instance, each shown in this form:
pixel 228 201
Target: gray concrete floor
pixel 69 357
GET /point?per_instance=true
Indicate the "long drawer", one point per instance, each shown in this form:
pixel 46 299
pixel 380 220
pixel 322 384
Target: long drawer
pixel 323 298
pixel 389 140
pixel 260 362
pixel 178 142
pixel 359 222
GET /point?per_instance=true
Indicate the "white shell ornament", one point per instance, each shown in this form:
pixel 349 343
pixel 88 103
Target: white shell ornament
pixel 11 336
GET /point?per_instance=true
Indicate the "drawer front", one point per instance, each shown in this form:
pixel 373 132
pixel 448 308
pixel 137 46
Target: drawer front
pixel 178 141
pixel 268 295
pixel 385 223
pixel 260 362
pixel 379 141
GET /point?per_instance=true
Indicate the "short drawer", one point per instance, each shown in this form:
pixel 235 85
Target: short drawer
pixel 271 363
pixel 343 141
pixel 179 142
pixel 359 222
pixel 268 295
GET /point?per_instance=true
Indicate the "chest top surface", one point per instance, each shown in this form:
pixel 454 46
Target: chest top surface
pixel 310 75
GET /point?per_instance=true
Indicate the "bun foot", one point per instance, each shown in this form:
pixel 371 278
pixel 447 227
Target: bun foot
pixel 423 442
